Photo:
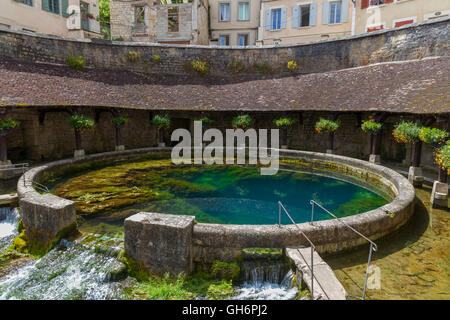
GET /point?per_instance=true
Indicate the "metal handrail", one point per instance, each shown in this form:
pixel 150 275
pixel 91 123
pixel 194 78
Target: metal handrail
pixel 313 247
pixel 373 246
pixel 14 166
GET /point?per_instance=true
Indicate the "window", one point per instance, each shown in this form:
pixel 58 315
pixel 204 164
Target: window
pixel 244 13
pixel 373 3
pixel 173 19
pixel 224 14
pixel 304 15
pixel 84 9
pixel 276 19
pixel 335 12
pixel 139 15
pixel 224 40
pixel 242 40
pixel 51 6
pixel 27 2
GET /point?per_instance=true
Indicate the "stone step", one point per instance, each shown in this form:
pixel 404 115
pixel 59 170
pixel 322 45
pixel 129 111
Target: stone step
pixel 326 285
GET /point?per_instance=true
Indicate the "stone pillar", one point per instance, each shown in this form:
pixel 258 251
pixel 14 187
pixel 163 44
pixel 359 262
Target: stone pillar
pixel 375 158
pixel 439 195
pixel 160 242
pixel 79 153
pixel 415 176
pixel 120 148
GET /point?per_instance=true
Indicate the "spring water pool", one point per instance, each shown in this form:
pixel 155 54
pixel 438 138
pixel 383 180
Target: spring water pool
pixel 214 194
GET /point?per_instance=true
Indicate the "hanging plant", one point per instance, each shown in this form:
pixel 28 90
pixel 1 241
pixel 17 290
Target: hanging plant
pixel 406 132
pixel 7 125
pixel 371 126
pixel 442 157
pixel 120 121
pixel 284 122
pixel 328 126
pixel 243 122
pixel 161 121
pixel 433 136
pixel 80 122
pixel 205 120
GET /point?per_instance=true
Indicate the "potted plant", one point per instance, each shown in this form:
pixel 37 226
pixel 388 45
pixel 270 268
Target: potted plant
pixel 284 123
pixel 80 123
pixel 6 127
pixel 118 122
pixel 408 132
pixel 374 129
pixel 243 122
pixel 330 127
pixel 162 122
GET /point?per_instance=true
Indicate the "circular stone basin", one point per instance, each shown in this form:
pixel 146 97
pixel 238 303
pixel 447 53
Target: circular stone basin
pixel 213 194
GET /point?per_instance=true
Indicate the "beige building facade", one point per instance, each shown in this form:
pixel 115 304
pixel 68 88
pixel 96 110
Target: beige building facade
pixel 65 18
pixel 161 22
pixel 291 21
pixel 373 15
pixel 234 22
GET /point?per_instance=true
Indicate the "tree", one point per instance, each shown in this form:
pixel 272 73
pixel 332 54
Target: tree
pixel 104 18
pixel 79 123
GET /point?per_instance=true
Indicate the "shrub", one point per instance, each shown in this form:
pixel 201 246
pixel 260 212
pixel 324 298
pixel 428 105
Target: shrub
pixel 156 58
pixel 406 132
pixel 161 121
pixel 134 56
pixel 204 120
pixel 264 68
pixel 225 270
pixel 200 66
pixel 76 62
pixel 442 157
pixel 433 136
pixel 371 126
pixel 79 122
pixel 328 126
pixel 284 122
pixel 292 66
pixel 8 124
pixel 119 121
pixel 221 291
pixel 236 67
pixel 243 122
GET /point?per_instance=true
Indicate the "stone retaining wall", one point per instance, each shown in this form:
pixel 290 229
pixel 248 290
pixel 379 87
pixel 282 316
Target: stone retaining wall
pixel 407 43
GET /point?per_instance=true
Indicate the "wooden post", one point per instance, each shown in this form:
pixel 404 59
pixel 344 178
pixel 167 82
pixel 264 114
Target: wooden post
pixel 3 149
pixel 417 154
pixel 77 140
pixel 117 136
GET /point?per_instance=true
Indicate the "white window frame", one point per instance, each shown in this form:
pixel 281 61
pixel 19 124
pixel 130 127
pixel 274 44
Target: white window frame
pixel 414 19
pixel 224 35
pixel 376 5
pixel 271 17
pixel 376 25
pixel 238 5
pixel 229 6
pixel 329 13
pixel 300 4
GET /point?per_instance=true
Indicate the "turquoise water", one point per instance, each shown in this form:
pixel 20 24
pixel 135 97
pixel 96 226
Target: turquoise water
pixel 240 195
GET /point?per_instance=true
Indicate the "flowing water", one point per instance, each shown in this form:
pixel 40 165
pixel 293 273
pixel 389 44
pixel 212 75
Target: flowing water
pixel 9 217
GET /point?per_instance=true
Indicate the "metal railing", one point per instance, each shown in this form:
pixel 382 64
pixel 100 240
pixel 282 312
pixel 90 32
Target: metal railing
pixel 25 167
pixel 313 247
pixel 373 246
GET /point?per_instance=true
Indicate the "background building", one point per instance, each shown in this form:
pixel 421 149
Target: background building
pixel 373 15
pixel 234 22
pixel 287 21
pixel 150 21
pixel 66 18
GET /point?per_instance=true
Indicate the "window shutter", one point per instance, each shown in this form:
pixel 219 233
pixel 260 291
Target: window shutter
pixel 364 4
pixel 46 5
pixel 389 1
pixel 296 16
pixel 325 12
pixel 312 14
pixel 64 7
pixel 283 18
pixel 268 22
pixel 344 11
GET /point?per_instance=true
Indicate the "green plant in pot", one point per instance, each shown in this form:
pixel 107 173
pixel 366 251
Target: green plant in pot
pixel 80 123
pixel 162 122
pixel 6 127
pixel 330 127
pixel 118 122
pixel 243 122
pixel 373 128
pixel 284 123
pixel 437 139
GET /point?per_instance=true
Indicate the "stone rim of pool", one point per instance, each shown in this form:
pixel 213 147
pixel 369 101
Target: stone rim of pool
pixel 328 235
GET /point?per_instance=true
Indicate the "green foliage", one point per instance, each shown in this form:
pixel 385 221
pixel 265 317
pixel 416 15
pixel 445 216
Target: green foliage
pixel 8 124
pixel 79 122
pixel 442 157
pixel 225 270
pixel 325 125
pixel 406 132
pixel 221 291
pixel 292 66
pixel 200 66
pixel 166 288
pixel 264 68
pixel 156 58
pixel 134 269
pixel 433 136
pixel 104 18
pixel 243 122
pixel 236 67
pixel 204 120
pixel 161 121
pixel 133 56
pixel 371 126
pixel 284 122
pixel 76 62
pixel 120 121
pixel 118 39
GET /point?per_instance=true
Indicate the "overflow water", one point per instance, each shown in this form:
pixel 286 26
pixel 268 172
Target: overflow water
pixel 9 218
